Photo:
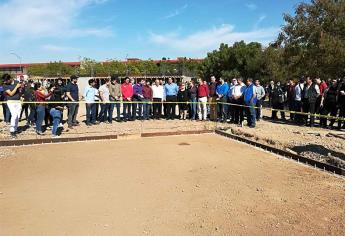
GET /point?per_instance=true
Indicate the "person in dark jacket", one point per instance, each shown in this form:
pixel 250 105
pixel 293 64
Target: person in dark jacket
pixel 55 111
pixel 328 104
pixel 277 99
pixel 193 96
pixel 182 98
pixel 341 103
pixel 310 94
pixel 28 96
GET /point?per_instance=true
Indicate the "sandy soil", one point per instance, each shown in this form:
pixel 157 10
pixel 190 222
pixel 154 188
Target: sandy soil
pixel 182 185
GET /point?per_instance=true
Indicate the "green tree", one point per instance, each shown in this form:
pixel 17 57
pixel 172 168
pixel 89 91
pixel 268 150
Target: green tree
pixel 313 40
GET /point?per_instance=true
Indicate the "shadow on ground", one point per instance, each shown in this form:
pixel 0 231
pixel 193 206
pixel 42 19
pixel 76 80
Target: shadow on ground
pixel 318 149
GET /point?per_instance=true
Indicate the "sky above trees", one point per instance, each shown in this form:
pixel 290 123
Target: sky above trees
pixel 49 30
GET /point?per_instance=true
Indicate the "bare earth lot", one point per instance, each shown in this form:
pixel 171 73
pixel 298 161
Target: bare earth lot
pixel 182 185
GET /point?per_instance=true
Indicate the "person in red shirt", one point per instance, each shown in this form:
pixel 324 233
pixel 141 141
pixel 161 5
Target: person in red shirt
pixel 41 96
pixel 203 94
pixel 322 86
pixel 127 94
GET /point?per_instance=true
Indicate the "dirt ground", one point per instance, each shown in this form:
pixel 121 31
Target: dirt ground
pixel 179 185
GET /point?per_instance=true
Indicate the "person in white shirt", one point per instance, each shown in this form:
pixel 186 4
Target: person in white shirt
pixel 104 94
pixel 237 98
pixel 260 96
pixel 298 101
pixel 158 94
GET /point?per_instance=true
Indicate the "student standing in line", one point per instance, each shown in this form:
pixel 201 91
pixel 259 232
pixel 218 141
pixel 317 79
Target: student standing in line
pixel 182 98
pixel 11 91
pixel 127 94
pixel 170 91
pixel 147 99
pixel 40 96
pixel 72 92
pixel 158 94
pixel 203 94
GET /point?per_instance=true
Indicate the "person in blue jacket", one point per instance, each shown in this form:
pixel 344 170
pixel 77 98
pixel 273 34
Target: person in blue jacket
pixel 250 101
pixel 222 91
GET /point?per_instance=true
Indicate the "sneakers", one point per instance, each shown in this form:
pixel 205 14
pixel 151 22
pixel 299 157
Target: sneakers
pixel 39 132
pixel 60 125
pixel 55 136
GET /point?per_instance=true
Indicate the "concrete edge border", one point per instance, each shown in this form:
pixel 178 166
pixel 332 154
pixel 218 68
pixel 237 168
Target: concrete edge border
pixel 296 157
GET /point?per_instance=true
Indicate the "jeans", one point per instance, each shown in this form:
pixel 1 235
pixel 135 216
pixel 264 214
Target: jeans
pixel 7 115
pixel 258 106
pixel 136 105
pixel 90 113
pixel 251 114
pixel 56 116
pixel 111 110
pixel 193 108
pixel 32 114
pixel 104 113
pixel 15 108
pixel 72 113
pixel 127 110
pixel 40 111
pixel 146 109
pixel 298 108
pixel 223 108
pixel 202 108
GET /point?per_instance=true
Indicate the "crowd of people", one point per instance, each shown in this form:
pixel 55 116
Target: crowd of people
pixel 216 100
pixel 315 96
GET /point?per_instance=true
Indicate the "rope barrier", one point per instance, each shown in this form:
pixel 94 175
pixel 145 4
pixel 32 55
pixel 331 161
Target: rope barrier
pixel 165 102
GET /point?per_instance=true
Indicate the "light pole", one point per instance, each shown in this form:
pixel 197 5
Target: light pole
pixel 20 60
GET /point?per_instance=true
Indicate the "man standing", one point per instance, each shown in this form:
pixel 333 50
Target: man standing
pixel 322 86
pixel 290 93
pixel 213 99
pixel 115 97
pixel 341 103
pixel 104 115
pixel 329 104
pixel 278 100
pixel 137 100
pixel 250 101
pixel 11 91
pixel 237 98
pixel 89 95
pixel 72 93
pixel 270 89
pixel 260 96
pixel 298 101
pixel 147 99
pixel 193 98
pixel 222 93
pixel 127 94
pixel 310 93
pixel 157 94
pixel 203 93
pixel 170 92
